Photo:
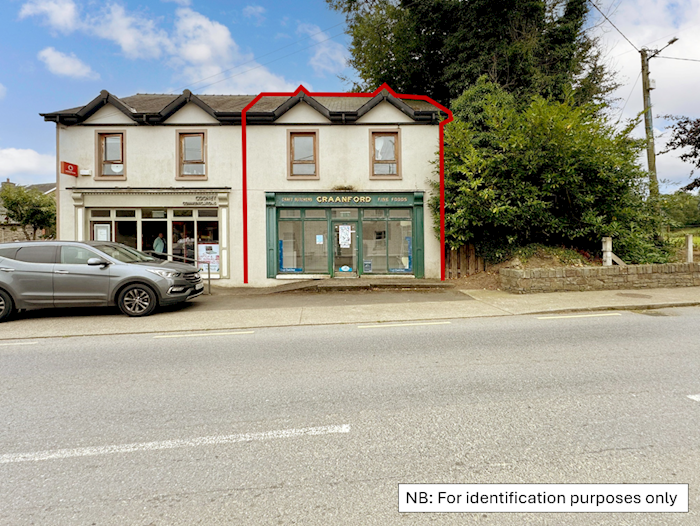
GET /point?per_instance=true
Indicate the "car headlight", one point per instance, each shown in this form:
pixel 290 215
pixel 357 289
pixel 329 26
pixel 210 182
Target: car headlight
pixel 163 272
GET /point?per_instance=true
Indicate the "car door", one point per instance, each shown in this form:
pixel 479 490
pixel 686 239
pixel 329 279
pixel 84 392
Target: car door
pixel 75 283
pixel 32 275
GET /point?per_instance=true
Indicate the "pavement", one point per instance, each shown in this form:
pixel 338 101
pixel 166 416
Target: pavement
pixel 334 302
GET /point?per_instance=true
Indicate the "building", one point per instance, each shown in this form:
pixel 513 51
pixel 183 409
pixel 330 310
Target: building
pixel 267 187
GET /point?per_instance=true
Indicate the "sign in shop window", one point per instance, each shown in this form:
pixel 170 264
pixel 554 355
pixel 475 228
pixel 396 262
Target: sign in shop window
pixel 208 253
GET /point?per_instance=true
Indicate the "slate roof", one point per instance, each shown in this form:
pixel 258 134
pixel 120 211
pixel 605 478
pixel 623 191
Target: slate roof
pixel 148 109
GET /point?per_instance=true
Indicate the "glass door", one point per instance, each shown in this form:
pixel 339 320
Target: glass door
pixel 345 249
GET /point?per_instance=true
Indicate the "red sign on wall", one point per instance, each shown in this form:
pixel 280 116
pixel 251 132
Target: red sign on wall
pixel 69 169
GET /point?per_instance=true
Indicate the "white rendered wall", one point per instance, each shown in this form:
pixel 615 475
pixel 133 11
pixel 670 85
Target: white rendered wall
pixel 344 160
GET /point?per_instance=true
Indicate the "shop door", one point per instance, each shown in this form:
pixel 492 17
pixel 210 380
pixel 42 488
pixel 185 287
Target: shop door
pixel 345 249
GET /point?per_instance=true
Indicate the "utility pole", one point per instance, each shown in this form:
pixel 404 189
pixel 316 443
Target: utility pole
pixel 648 54
pixel 648 124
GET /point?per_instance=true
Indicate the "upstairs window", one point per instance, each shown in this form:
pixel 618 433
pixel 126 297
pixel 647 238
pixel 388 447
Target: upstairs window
pixel 111 155
pixel 192 155
pixel 385 155
pixel 303 155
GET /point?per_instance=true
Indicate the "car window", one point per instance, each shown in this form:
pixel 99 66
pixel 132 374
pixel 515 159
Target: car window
pixel 45 254
pixel 123 253
pixel 76 255
pixel 8 252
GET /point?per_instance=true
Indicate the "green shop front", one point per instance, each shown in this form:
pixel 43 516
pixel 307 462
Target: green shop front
pixel 345 234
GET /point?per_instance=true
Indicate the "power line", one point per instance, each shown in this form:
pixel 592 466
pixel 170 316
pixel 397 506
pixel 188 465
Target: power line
pixel 610 21
pixel 622 111
pixel 679 58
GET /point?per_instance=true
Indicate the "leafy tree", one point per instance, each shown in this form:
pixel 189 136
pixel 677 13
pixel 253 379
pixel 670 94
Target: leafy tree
pixel 552 173
pixel 30 208
pixel 685 133
pixel 441 47
pixel 682 208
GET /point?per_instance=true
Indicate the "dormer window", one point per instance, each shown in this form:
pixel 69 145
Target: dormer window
pixel 303 155
pixel 192 155
pixel 385 148
pixel 111 155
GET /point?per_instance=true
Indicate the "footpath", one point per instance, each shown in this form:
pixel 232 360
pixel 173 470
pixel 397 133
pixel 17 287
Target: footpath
pixel 334 302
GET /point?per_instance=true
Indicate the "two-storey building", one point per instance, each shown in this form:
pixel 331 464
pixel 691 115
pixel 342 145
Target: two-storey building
pixel 264 187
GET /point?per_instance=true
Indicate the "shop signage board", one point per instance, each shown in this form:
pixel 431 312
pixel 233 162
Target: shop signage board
pixel 345 199
pixel 69 169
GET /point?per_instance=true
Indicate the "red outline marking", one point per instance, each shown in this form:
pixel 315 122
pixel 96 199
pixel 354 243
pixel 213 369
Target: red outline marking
pixel 244 186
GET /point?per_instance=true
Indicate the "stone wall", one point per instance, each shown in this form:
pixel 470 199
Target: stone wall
pixel 11 233
pixel 600 278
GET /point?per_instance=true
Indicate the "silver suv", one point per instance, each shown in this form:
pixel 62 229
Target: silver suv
pixel 41 274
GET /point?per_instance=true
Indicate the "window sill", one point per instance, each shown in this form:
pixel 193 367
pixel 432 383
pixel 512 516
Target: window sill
pixel 385 178
pixel 303 177
pixel 191 178
pixel 110 178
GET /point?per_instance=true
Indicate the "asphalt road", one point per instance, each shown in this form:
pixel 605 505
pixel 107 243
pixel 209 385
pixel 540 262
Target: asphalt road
pixel 319 425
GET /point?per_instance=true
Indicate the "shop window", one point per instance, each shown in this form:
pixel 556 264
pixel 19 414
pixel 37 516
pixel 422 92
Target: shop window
pixel 303 155
pixel 183 213
pixel 385 150
pixel 374 258
pixel 400 244
pixel 111 156
pixel 153 213
pixel 208 213
pixel 290 254
pixel 125 232
pixel 126 213
pixel 192 155
pixel 99 213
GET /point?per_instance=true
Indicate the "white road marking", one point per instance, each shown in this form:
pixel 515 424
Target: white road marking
pixel 382 325
pixel 18 343
pixel 170 444
pixel 695 397
pixel 203 334
pixel 578 316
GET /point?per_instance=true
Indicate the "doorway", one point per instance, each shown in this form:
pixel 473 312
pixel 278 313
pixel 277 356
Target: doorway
pixel 345 249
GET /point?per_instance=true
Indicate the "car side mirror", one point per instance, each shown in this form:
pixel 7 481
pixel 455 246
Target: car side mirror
pixel 94 262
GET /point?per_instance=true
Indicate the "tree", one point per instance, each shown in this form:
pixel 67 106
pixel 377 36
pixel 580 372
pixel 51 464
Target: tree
pixel 30 208
pixel 685 133
pixel 441 47
pixel 552 172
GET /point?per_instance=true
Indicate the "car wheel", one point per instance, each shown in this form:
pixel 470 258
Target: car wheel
pixel 6 305
pixel 137 300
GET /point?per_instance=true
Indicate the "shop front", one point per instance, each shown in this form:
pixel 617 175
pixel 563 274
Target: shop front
pixel 190 228
pixel 345 234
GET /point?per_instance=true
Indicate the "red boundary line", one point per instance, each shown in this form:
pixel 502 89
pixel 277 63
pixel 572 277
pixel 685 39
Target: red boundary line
pixel 244 186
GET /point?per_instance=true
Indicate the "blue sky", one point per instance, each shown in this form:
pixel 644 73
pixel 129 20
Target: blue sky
pixel 58 54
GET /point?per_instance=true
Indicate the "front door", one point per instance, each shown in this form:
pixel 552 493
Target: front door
pixel 345 249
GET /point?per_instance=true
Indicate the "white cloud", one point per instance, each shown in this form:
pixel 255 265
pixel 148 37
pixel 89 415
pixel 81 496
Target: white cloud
pixel 183 3
pixel 329 57
pixel 61 15
pixel 197 46
pixel 3 91
pixel 15 161
pixel 204 49
pixel 254 11
pixel 651 24
pixel 66 65
pixel 137 35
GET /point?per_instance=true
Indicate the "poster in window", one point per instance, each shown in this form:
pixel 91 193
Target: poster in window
pixel 208 253
pixel 102 232
pixel 344 238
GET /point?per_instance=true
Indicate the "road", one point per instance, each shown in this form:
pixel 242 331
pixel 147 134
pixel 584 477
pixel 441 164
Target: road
pixel 319 425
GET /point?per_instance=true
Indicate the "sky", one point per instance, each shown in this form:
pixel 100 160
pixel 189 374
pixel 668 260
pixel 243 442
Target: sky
pixel 59 54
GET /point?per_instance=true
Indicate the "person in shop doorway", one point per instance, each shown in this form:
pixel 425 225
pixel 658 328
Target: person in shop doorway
pixel 159 244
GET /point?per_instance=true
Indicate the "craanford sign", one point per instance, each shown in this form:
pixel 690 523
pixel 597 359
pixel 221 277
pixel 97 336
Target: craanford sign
pixel 346 199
